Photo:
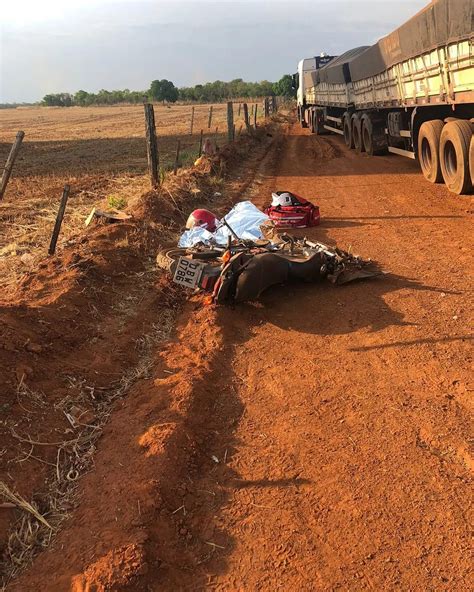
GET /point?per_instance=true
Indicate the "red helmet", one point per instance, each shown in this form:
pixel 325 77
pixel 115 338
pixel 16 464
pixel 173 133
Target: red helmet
pixel 203 218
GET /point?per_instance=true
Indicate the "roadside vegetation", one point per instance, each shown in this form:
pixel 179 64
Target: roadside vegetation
pixel 165 91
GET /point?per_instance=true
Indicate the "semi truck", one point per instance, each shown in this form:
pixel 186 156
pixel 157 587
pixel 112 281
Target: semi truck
pixel 410 94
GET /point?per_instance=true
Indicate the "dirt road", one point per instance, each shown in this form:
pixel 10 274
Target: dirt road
pixel 316 440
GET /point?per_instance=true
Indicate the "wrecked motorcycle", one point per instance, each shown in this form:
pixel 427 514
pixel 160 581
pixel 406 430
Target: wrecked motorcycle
pixel 242 270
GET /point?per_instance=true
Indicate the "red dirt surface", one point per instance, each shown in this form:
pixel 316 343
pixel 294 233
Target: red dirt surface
pixel 316 440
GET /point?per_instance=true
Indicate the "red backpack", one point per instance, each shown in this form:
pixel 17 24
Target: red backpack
pixel 299 213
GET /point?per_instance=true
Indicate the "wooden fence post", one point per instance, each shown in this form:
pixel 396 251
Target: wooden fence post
pixel 59 220
pixel 200 143
pixel 246 118
pixel 238 112
pixel 151 145
pixel 7 171
pixel 274 105
pixel 176 159
pixel 209 121
pixel 255 117
pixel 266 107
pixel 230 121
pixel 192 121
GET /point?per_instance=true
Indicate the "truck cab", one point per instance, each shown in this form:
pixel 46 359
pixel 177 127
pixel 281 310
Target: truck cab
pixel 303 80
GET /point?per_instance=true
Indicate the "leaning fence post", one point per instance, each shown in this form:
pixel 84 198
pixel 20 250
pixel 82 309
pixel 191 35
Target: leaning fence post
pixel 255 117
pixel 209 121
pixel 151 144
pixel 59 220
pixel 246 117
pixel 192 121
pixel 230 121
pixel 7 171
pixel 176 160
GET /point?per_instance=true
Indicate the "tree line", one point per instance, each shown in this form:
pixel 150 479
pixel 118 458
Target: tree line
pixel 165 91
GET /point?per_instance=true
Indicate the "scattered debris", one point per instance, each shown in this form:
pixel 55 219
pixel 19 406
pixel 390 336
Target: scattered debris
pixel 242 222
pixel 27 259
pixel 33 347
pixel 21 503
pixel 289 210
pixel 203 219
pixel 235 263
pixel 109 216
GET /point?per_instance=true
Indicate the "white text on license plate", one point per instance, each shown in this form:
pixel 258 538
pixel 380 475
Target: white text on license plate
pixel 188 273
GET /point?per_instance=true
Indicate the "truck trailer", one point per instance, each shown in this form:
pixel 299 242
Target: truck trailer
pixel 411 94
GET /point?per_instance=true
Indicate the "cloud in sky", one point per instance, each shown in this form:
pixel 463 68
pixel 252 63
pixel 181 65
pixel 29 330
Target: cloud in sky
pixel 93 44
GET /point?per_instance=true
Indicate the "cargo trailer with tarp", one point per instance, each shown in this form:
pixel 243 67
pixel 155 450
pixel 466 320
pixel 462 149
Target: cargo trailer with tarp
pixel 411 93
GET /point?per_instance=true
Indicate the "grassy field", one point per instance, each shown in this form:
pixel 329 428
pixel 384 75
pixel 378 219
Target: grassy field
pixel 99 151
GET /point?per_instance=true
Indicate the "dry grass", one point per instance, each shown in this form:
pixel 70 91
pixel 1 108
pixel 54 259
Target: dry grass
pixel 40 518
pixel 100 152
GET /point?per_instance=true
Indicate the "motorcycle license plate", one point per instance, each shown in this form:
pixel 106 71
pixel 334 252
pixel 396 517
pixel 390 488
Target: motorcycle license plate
pixel 188 272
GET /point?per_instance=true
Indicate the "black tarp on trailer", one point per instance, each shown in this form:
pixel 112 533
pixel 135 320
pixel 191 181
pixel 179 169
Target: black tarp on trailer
pixel 337 71
pixel 438 24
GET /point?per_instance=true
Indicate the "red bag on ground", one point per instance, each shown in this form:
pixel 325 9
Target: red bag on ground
pixel 292 211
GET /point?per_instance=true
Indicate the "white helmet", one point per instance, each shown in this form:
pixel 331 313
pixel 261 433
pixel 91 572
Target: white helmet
pixel 283 198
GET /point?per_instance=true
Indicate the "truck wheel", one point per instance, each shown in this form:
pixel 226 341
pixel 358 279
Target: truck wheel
pixel 373 135
pixel 454 155
pixel 312 116
pixel 318 122
pixel 428 150
pixel 357 133
pixel 302 118
pixel 348 139
pixel 471 160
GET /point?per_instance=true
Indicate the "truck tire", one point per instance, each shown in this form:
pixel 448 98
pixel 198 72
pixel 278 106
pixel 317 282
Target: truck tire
pixel 311 120
pixel 357 133
pixel 302 118
pixel 373 135
pixel 428 150
pixel 346 122
pixel 318 122
pixel 454 151
pixel 471 160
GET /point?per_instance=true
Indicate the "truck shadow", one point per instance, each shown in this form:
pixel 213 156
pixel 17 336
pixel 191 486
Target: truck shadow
pixel 307 155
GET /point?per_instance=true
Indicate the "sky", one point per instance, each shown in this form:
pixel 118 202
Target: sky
pixel 49 46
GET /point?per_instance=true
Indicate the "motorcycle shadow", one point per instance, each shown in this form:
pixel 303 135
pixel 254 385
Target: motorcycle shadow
pixel 326 309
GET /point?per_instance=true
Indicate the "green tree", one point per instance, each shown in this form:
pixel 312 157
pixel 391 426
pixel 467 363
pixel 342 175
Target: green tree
pixel 58 100
pixel 284 87
pixel 81 98
pixel 163 90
